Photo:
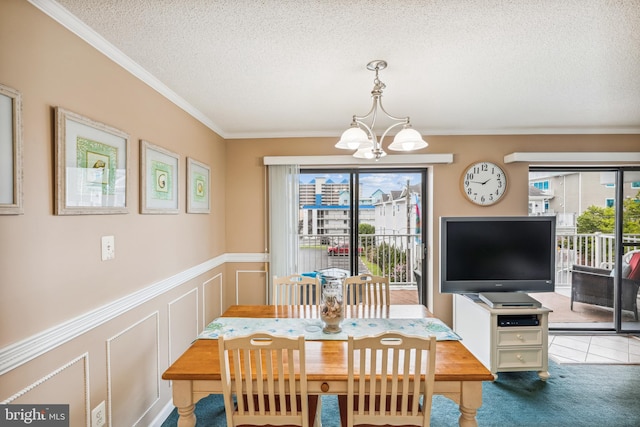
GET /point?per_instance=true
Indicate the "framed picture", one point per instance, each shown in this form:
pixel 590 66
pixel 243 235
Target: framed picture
pixel 10 151
pixel 198 181
pixel 158 179
pixel 91 166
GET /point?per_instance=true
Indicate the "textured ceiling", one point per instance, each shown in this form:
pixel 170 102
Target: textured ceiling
pixel 297 68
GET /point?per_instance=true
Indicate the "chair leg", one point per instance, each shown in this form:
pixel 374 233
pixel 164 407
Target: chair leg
pixel 571 306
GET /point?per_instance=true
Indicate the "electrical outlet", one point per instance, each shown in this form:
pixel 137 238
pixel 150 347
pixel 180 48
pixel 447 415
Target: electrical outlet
pixel 108 248
pixel 98 416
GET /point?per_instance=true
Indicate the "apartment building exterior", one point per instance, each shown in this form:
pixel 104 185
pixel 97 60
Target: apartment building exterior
pixel 568 194
pixel 325 207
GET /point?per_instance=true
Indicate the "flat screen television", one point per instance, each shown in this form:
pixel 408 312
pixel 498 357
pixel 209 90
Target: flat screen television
pixel 497 254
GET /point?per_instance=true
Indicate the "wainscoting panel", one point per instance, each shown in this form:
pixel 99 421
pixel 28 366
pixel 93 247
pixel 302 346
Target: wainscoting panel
pixel 251 287
pixel 183 323
pixel 144 333
pixel 133 372
pixel 212 298
pixel 68 384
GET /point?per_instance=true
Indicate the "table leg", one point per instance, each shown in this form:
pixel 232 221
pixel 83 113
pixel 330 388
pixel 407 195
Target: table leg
pixel 183 400
pixel 470 402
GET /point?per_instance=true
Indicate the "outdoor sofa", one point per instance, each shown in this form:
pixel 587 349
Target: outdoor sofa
pixel 593 285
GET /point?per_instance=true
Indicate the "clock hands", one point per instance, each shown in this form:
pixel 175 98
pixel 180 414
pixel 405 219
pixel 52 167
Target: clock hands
pixel 482 183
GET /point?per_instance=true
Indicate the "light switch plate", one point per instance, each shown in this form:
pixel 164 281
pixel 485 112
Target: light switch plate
pixel 108 248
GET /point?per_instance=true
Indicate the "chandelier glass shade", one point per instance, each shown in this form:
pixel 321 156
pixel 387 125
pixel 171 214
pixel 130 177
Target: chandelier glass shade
pixel 362 137
pixel 354 138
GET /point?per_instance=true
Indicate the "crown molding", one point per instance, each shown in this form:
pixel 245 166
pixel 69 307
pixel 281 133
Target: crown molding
pixel 86 33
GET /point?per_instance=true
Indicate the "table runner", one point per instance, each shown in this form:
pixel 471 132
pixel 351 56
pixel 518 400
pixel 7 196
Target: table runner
pixel 312 328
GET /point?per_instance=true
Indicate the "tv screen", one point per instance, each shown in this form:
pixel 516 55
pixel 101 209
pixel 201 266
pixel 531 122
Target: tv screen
pixel 497 254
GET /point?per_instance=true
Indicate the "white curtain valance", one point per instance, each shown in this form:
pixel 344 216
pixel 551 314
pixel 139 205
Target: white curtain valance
pixel 342 161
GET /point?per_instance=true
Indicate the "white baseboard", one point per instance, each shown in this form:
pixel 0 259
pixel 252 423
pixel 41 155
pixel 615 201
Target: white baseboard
pixel 162 416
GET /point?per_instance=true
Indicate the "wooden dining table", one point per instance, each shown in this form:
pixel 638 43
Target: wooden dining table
pixel 196 373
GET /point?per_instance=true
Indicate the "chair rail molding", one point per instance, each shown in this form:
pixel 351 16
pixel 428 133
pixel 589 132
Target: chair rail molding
pixel 21 352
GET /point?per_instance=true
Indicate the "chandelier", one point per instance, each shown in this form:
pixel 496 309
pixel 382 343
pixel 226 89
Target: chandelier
pixel 362 137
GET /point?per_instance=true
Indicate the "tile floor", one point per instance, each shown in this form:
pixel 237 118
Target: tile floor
pixel 563 348
pixel 608 349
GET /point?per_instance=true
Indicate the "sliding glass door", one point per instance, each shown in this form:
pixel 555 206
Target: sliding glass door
pixel 365 221
pixel 626 270
pixel 598 223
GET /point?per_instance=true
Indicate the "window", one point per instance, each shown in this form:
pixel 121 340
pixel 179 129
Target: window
pixel 541 185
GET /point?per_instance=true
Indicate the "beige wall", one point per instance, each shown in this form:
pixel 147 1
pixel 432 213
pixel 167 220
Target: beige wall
pixel 53 262
pixel 51 271
pixel 246 182
pixel 172 273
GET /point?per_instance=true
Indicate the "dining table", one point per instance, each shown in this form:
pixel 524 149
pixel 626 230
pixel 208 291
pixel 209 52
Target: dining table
pixel 196 373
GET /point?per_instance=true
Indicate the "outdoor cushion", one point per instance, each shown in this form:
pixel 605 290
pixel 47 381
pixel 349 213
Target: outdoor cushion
pixel 626 269
pixel 634 263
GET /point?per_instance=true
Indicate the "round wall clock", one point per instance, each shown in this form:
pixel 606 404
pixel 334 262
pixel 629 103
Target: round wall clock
pixel 484 183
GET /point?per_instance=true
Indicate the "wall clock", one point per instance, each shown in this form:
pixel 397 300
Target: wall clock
pixel 484 183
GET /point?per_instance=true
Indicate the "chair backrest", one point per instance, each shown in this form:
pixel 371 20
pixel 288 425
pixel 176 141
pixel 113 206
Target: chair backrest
pixel 259 370
pixel 387 375
pixel 365 289
pixel 296 290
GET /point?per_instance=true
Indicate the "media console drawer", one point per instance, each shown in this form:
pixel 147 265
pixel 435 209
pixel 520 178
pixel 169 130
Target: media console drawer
pixel 519 336
pixel 519 358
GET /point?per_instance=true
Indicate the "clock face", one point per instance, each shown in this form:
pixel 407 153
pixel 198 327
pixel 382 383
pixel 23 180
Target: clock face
pixel 484 183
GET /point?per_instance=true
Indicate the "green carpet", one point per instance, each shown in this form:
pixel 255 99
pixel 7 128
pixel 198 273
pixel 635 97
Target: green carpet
pixel 575 395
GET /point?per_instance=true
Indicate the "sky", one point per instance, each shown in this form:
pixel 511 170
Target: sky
pixel 385 181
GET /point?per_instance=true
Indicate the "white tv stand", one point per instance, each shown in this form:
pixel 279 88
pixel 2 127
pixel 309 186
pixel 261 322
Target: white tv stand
pixel 518 345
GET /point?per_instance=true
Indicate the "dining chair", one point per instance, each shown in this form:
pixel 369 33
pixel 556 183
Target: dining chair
pixel 296 290
pixel 259 370
pixel 366 289
pixel 388 374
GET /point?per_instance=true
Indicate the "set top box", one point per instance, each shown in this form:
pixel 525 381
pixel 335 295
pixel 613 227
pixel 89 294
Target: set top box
pixel 508 300
pixel 518 320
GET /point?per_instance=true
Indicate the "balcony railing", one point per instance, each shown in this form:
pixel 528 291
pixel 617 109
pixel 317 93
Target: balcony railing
pixel 593 250
pixel 399 255
pixel 393 255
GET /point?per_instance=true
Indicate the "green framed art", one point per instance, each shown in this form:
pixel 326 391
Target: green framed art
pixel 91 166
pixel 158 179
pixel 10 151
pixel 198 183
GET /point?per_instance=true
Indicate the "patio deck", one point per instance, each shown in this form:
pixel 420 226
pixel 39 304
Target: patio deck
pixel 560 304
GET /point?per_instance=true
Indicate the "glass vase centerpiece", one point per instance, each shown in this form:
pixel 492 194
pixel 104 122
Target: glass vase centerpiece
pixel 331 308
